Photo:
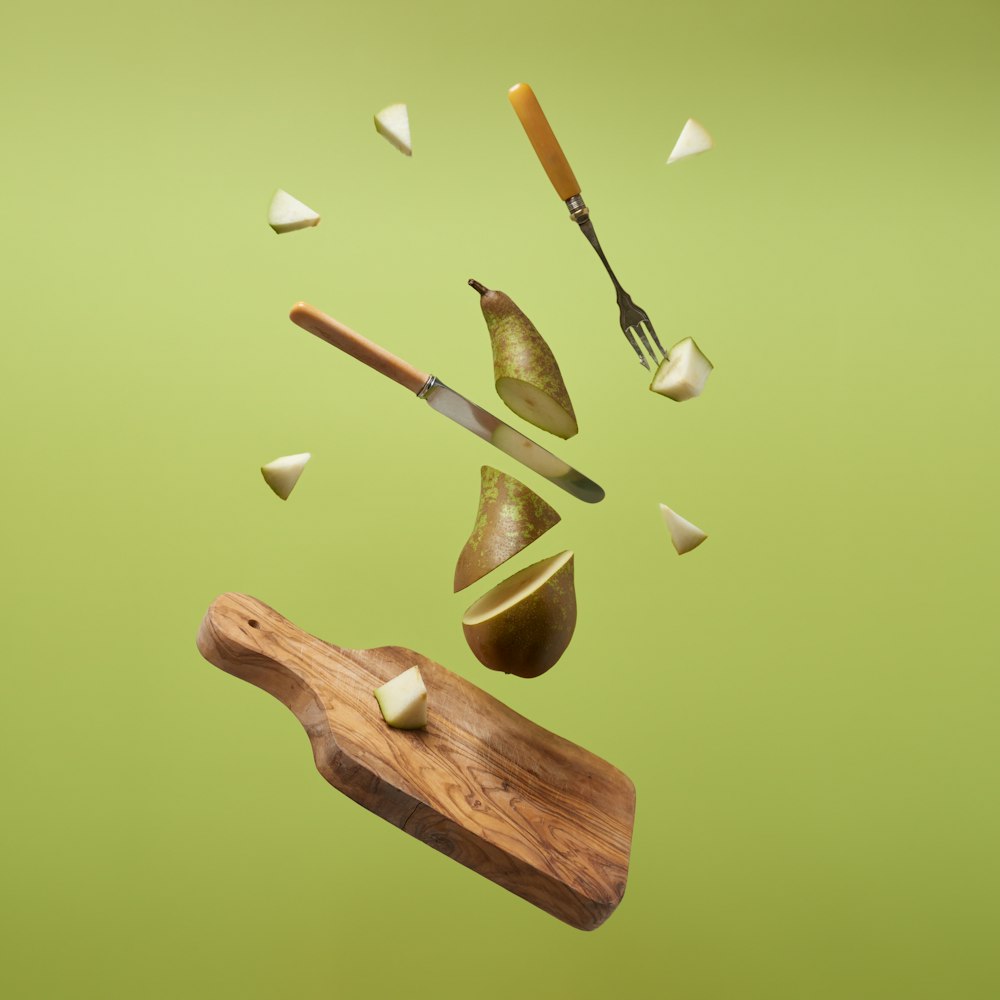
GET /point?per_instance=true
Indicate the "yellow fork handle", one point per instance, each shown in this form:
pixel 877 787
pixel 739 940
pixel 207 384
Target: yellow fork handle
pixel 543 139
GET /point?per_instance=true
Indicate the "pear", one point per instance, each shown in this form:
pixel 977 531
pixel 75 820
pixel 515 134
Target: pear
pixel 685 535
pixel 403 700
pixel 523 625
pixel 510 517
pixel 287 214
pixel 283 473
pixel 694 139
pixel 527 377
pixel 683 373
pixel 394 123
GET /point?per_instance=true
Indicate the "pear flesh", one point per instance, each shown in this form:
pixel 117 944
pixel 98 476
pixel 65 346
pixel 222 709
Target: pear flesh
pixel 694 139
pixel 685 535
pixel 283 473
pixel 403 700
pixel 510 517
pixel 287 214
pixel 394 123
pixel 683 373
pixel 527 376
pixel 523 625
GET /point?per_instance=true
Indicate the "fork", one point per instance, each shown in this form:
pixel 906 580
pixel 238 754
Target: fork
pixel 634 321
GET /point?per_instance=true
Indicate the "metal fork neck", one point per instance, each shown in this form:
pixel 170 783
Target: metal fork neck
pixel 580 214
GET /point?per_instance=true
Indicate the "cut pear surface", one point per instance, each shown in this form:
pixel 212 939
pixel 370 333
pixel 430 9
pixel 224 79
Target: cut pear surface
pixel 403 700
pixel 694 139
pixel 510 517
pixel 394 123
pixel 524 624
pixel 525 371
pixel 283 473
pixel 287 214
pixel 536 406
pixel 683 374
pixel 685 535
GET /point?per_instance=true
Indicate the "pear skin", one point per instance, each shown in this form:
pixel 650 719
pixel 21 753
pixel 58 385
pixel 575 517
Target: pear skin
pixel 510 517
pixel 527 376
pixel 523 625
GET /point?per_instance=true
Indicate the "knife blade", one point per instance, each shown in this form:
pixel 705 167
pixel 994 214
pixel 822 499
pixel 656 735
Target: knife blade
pixel 446 401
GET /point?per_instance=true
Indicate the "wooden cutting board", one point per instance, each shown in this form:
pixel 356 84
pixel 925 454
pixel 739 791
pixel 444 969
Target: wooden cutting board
pixel 531 811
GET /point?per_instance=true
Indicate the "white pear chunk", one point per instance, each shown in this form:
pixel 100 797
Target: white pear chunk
pixel 403 700
pixel 683 374
pixel 283 473
pixel 394 123
pixel 287 214
pixel 685 535
pixel 694 139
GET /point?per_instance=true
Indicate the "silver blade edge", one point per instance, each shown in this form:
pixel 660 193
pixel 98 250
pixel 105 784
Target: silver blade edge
pixel 511 442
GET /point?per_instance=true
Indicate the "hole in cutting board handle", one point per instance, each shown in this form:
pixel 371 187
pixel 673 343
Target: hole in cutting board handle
pixel 253 623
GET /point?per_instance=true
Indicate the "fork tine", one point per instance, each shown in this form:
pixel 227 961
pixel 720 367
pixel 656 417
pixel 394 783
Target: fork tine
pixel 656 340
pixel 630 337
pixel 645 342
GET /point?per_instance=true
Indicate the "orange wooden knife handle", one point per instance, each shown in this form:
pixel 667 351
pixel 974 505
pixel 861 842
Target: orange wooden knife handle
pixel 543 139
pixel 334 332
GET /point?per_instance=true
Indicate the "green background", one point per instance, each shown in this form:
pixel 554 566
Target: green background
pixel 807 704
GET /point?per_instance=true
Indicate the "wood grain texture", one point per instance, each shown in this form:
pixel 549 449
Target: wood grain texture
pixel 527 809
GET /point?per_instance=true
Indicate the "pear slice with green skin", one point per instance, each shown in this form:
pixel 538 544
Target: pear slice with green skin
pixel 403 700
pixel 510 517
pixel 283 473
pixel 523 625
pixel 286 214
pixel 527 376
pixel 683 373
pixel 685 535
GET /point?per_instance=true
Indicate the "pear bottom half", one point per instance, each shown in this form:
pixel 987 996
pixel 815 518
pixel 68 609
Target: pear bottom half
pixel 523 625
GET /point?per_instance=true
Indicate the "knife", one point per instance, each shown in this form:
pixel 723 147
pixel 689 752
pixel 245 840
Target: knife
pixel 430 388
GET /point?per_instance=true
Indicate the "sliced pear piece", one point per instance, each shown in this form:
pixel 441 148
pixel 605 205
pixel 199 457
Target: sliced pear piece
pixel 403 700
pixel 510 517
pixel 527 376
pixel 394 123
pixel 523 625
pixel 283 473
pixel 683 373
pixel 287 214
pixel 694 139
pixel 685 535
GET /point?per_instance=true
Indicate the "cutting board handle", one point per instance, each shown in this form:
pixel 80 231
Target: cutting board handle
pixel 246 638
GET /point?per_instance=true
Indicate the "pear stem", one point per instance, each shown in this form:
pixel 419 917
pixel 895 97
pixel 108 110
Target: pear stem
pixel 482 289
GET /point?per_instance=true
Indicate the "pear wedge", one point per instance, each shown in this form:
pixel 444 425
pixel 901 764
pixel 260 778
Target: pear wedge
pixel 403 700
pixel 523 625
pixel 510 517
pixel 694 139
pixel 286 213
pixel 393 122
pixel 683 374
pixel 684 535
pixel 283 473
pixel 527 376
